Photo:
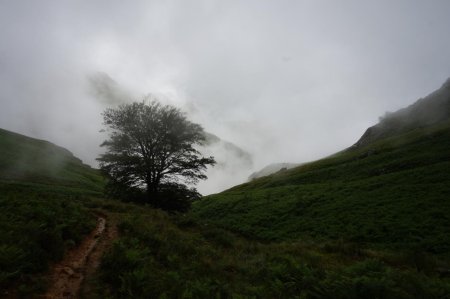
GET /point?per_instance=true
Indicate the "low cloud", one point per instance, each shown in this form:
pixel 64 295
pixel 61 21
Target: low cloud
pixel 287 81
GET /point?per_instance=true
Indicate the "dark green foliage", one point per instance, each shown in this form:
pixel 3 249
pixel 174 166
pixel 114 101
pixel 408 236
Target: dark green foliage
pixel 152 147
pixel 115 189
pixel 431 110
pixel 177 197
pixel 41 191
pixel 154 258
pixel 370 222
pixel 174 197
pixel 35 229
pixel 395 192
pixel 40 164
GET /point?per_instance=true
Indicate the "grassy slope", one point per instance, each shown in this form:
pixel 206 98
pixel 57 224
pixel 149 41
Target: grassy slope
pixel 394 192
pixel 35 229
pixel 41 213
pixel 38 164
pixel 163 256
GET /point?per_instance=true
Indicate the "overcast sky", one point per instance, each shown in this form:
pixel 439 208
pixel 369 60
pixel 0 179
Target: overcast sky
pixel 287 81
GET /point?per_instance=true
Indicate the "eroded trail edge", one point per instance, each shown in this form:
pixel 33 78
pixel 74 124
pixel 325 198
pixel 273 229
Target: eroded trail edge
pixel 68 275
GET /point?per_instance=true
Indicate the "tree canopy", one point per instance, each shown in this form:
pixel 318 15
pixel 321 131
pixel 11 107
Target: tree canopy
pixel 152 151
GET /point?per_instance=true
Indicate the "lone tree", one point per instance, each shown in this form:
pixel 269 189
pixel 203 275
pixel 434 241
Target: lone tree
pixel 151 154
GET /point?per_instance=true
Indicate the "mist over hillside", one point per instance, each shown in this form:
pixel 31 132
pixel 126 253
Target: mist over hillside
pixel 106 90
pixel 225 149
pixel 285 81
pixel 432 109
pixel 233 163
pixel 272 168
pixel 377 212
pixel 391 187
pixel 25 160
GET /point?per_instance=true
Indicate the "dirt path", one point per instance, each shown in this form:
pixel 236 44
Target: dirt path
pixel 68 275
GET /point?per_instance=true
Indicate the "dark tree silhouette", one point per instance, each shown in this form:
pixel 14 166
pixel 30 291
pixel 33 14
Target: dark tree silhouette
pixel 151 151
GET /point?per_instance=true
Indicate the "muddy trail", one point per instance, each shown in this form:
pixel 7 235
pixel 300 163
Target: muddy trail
pixel 67 276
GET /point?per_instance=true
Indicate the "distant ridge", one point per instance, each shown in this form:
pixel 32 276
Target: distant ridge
pixel 432 109
pixel 272 168
pixel 391 188
pixel 26 160
pixel 230 150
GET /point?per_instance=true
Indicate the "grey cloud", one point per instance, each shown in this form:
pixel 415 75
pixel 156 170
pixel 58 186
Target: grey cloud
pixel 284 80
pixel 106 90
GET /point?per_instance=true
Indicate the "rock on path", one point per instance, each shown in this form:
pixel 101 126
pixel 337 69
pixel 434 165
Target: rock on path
pixel 67 275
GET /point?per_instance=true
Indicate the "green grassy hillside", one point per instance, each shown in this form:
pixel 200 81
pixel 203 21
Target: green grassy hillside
pixel 393 192
pixel 36 228
pixel 158 255
pixel 42 215
pixel 430 110
pixel 166 256
pixel 39 164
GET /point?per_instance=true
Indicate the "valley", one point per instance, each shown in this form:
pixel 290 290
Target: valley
pixel 370 221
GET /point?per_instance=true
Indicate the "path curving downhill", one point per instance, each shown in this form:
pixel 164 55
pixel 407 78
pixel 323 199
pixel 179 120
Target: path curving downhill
pixel 67 276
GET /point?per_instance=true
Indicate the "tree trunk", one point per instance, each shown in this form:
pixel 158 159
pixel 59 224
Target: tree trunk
pixel 152 194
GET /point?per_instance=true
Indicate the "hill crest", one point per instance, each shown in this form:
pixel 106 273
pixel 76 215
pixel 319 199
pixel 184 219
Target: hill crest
pixel 427 111
pixel 26 160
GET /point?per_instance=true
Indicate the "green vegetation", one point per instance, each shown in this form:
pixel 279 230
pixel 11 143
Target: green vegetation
pixel 152 154
pixel 35 229
pixel 43 165
pixel 41 213
pixel 393 193
pixel 369 222
pixel 162 256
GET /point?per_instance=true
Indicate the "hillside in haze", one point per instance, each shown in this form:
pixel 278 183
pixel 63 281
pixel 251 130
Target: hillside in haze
pixel 272 168
pixel 391 189
pixel 225 149
pixel 430 110
pixel 368 222
pixel 43 217
pixel 39 163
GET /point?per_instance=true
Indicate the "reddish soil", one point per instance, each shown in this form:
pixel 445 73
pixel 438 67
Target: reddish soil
pixel 68 275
